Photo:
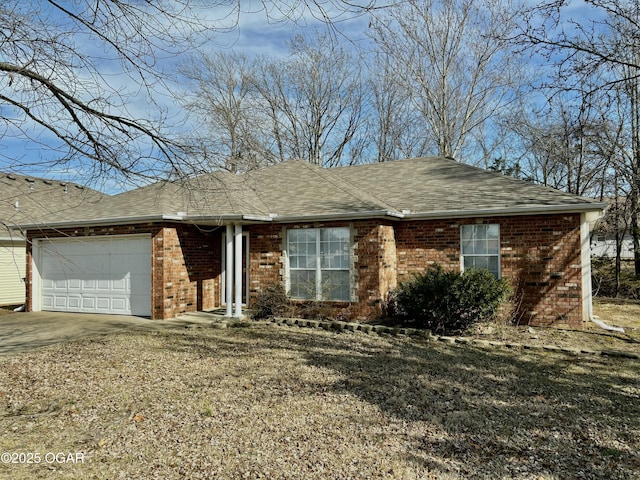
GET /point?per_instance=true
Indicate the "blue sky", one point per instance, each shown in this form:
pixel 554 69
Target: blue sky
pixel 256 32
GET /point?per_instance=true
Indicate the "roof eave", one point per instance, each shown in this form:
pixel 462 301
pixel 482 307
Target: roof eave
pixel 98 222
pixel 507 211
pixel 320 217
pixel 358 215
pixel 201 219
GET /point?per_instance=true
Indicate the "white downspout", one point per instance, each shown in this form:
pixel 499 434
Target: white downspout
pixel 586 220
pixel 585 256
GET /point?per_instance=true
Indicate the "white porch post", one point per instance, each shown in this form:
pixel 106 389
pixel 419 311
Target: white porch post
pixel 585 255
pixel 228 269
pixel 238 271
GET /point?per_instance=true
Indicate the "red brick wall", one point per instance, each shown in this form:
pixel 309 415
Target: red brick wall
pixel 542 258
pixel 540 255
pixel 375 266
pixel 266 265
pixel 186 270
pixel 373 260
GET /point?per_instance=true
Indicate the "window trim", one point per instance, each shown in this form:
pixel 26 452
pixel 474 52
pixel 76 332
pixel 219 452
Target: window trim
pixel 497 255
pixel 318 268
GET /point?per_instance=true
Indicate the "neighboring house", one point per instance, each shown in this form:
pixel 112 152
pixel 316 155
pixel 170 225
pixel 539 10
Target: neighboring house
pixel 27 200
pixel 345 236
pixel 13 259
pixel 603 245
pixel 616 220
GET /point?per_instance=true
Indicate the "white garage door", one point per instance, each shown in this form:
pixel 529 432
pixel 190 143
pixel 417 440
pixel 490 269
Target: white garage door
pixel 96 275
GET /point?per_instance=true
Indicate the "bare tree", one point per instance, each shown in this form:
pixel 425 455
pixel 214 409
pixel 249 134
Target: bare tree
pixel 314 100
pixel 396 125
pixel 56 61
pixel 605 39
pixel 83 81
pixel 451 58
pixel 631 90
pixel 607 45
pixel 562 143
pixel 225 104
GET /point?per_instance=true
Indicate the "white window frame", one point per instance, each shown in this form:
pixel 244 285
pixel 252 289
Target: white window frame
pixel 319 269
pixel 482 254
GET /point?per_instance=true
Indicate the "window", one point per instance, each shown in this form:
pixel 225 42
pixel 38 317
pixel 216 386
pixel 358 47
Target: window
pixel 319 263
pixel 481 247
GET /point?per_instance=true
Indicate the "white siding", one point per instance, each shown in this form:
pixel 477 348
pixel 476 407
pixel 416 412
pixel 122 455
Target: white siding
pixel 605 246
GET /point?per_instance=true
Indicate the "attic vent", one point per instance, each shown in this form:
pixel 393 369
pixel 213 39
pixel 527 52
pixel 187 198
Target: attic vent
pixel 80 187
pixel 47 182
pixel 11 177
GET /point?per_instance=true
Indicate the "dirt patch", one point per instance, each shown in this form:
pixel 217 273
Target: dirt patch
pixel 591 336
pixel 621 313
pixel 284 402
pixel 7 309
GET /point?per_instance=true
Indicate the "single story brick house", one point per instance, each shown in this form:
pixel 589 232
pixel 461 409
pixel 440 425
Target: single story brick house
pixel 26 199
pixel 345 236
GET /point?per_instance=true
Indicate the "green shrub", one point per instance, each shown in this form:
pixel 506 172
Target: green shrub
pixel 272 301
pixel 447 302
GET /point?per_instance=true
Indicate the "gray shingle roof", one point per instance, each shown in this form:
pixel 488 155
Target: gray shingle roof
pixel 31 200
pixel 295 190
pixel 438 184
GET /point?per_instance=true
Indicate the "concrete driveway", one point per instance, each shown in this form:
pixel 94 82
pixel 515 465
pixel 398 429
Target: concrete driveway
pixel 21 332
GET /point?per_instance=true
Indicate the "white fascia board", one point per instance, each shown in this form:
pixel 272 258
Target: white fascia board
pixel 325 217
pixel 596 208
pixel 593 211
pixel 208 219
pixel 258 218
pixel 99 222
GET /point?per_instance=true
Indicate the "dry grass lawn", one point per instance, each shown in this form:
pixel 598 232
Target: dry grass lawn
pixel 289 403
pixel 591 337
